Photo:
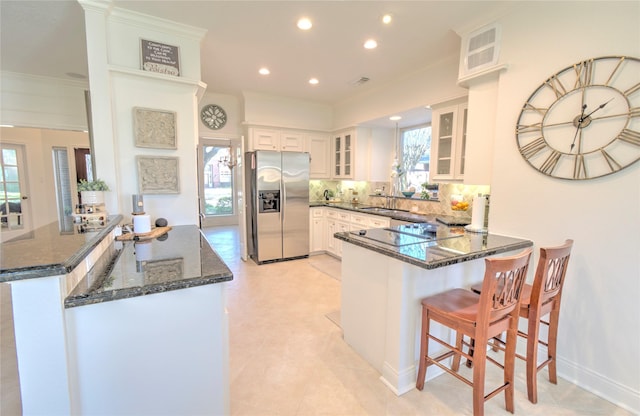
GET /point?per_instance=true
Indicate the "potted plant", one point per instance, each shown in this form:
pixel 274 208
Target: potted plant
pixel 429 190
pixel 92 192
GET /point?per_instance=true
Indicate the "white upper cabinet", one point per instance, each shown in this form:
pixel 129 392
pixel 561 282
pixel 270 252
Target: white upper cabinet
pixel 276 140
pixel 319 146
pixel 292 142
pixel 343 152
pixel 449 128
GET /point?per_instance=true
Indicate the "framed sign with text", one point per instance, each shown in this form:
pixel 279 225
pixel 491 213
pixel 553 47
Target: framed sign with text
pixel 159 57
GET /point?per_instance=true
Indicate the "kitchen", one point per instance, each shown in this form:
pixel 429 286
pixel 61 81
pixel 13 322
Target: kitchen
pixel 524 203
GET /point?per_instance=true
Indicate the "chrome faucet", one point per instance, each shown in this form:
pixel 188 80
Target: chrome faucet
pixel 390 199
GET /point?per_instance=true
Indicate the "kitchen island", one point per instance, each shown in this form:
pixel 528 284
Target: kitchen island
pixel 149 333
pixel 109 327
pixel 385 275
pixel 41 268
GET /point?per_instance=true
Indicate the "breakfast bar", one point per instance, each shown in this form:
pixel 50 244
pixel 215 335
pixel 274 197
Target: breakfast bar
pixel 385 274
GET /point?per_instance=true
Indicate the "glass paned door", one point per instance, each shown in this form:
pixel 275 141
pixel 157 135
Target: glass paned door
pixel 12 184
pixel 217 187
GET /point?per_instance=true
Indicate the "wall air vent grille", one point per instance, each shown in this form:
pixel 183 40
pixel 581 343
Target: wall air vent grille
pixel 480 49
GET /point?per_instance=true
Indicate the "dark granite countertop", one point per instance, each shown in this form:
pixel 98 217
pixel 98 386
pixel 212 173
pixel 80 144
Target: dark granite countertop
pixel 180 259
pixel 396 214
pixel 54 249
pixel 451 245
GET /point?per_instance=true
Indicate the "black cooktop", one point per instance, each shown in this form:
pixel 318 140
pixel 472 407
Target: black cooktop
pixel 402 235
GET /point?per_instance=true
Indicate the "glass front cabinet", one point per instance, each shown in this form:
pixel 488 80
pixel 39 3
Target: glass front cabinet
pixel 449 128
pixel 343 148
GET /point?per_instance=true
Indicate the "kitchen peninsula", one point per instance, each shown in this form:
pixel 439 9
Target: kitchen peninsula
pixel 387 272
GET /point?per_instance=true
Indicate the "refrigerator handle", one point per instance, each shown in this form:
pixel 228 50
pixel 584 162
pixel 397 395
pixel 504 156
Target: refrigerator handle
pixel 283 199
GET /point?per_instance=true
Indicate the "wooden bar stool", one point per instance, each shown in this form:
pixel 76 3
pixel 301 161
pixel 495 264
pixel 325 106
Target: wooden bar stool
pixel 538 300
pixel 480 317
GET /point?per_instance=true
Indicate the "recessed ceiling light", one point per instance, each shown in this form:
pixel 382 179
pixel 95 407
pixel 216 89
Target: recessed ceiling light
pixel 370 44
pixel 395 118
pixel 313 81
pixel 304 24
pixel 264 71
pixel 386 19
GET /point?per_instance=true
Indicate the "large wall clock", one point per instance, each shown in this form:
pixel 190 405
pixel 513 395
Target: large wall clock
pixel 584 121
pixel 213 116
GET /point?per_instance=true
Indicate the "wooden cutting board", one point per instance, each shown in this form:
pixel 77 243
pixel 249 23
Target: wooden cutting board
pixel 155 233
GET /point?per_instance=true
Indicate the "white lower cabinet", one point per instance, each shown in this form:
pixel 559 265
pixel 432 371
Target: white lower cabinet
pixel 317 233
pixel 339 221
pixel 331 242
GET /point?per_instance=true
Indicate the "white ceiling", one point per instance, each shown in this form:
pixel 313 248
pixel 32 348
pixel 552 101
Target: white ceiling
pixel 47 38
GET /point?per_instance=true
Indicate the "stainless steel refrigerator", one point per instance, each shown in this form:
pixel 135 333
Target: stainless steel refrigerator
pixel 278 205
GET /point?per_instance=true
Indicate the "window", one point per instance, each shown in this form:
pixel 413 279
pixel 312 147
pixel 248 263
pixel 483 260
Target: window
pixel 62 180
pixel 11 184
pixel 218 181
pixel 415 145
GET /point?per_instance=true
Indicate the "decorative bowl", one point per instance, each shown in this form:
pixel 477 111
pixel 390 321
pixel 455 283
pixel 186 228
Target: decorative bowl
pixel 408 194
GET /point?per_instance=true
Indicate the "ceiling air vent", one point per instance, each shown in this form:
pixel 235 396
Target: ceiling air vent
pixel 481 49
pixel 358 81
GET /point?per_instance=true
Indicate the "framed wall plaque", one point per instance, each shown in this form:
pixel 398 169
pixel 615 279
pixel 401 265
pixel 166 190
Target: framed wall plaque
pixel 154 128
pixel 158 175
pixel 159 57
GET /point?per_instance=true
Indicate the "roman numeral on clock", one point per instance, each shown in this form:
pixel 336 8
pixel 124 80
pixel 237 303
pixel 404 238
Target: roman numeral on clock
pixel 579 168
pixel 584 73
pixel 530 149
pixel 613 164
pixel 540 110
pixel 551 162
pixel 558 89
pixel 527 128
pixel 630 136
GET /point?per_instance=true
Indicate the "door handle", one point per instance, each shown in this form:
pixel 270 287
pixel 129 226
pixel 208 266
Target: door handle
pixel 25 197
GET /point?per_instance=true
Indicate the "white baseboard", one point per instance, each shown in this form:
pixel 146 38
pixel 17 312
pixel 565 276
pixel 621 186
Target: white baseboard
pixel 600 385
pixel 591 381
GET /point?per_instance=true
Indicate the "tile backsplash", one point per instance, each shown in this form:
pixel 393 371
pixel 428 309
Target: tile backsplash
pixel 346 191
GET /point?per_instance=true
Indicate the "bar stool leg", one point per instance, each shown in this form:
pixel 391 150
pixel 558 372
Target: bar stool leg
pixel 479 369
pixel 553 341
pixel 424 350
pixel 533 333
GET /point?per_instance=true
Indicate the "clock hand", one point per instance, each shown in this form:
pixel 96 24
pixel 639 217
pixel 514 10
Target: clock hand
pixel 601 106
pixel 630 113
pixel 580 120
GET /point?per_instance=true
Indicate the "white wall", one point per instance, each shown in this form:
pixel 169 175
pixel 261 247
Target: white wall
pixel 34 101
pixel 270 110
pixel 599 327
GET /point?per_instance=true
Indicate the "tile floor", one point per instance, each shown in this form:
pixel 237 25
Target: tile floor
pixel 287 356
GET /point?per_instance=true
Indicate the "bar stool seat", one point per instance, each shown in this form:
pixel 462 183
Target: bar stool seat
pixel 480 317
